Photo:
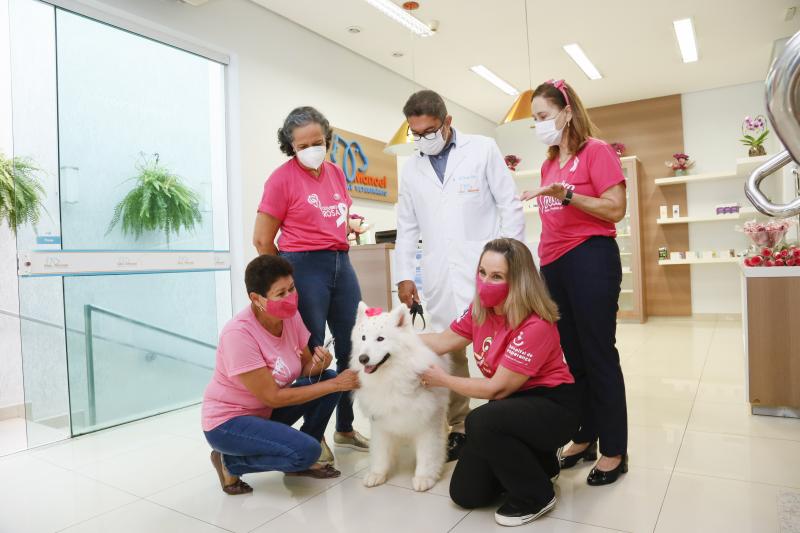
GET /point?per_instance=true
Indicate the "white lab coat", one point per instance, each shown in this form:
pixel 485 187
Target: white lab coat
pixel 477 202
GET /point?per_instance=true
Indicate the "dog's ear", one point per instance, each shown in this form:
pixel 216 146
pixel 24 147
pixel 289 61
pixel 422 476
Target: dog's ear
pixel 361 313
pixel 401 316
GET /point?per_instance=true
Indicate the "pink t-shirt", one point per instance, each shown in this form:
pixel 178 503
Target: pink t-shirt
pixel 245 345
pixel 593 170
pixel 313 211
pixel 532 349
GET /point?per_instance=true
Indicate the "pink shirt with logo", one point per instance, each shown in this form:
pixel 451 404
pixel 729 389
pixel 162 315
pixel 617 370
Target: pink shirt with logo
pixel 533 348
pixel 591 172
pixel 312 211
pixel 245 345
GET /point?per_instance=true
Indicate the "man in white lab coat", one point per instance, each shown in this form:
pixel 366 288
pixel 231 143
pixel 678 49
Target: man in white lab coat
pixel 456 194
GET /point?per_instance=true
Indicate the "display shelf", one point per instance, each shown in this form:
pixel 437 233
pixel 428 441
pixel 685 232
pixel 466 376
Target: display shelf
pixel 699 261
pixel 711 218
pixel 627 270
pixel 626 291
pixel 744 167
pixel 622 235
pixel 630 230
pixel 527 174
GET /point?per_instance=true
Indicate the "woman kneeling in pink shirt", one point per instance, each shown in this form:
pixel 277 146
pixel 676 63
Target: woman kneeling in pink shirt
pixel 265 380
pixel 533 410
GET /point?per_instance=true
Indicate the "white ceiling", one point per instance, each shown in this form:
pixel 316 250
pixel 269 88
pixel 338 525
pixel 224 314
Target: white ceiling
pixel 631 42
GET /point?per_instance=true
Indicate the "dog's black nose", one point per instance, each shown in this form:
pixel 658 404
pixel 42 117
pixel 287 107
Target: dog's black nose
pixel 363 359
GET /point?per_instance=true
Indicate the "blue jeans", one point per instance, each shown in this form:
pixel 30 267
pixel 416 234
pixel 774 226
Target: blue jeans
pixel 254 444
pixel 328 292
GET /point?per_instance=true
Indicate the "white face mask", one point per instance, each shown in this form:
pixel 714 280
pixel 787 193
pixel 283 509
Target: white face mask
pixel 312 157
pixel 547 133
pixel 431 146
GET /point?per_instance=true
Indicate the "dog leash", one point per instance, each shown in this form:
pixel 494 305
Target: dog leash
pixel 416 310
pixel 330 341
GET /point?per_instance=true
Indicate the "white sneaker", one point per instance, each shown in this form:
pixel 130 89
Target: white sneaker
pixel 510 515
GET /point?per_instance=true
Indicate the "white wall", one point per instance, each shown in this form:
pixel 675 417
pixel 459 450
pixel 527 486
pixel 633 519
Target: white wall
pixel 280 66
pixel 712 122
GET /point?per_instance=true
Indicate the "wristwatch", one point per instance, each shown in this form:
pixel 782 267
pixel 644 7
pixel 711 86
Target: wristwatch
pixel 567 198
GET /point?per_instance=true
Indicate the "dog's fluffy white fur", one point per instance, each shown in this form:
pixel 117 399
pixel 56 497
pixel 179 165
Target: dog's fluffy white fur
pixel 390 357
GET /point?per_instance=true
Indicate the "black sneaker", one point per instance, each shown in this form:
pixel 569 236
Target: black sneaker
pixel 455 443
pixel 511 515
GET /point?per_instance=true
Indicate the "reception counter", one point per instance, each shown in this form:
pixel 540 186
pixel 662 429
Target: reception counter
pixel 771 324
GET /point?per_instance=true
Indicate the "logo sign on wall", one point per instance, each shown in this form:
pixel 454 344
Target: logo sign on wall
pixel 370 173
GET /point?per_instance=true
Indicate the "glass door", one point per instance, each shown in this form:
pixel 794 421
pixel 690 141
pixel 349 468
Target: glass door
pixel 130 261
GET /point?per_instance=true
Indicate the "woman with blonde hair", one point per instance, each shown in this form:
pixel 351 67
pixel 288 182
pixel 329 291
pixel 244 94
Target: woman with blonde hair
pixel 511 440
pixel 581 197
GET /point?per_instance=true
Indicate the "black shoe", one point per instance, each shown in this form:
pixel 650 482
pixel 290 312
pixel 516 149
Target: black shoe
pixel 511 515
pixel 455 443
pixel 588 455
pixel 599 477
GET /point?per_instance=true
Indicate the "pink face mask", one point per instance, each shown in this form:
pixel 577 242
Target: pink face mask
pixel 491 294
pixel 284 308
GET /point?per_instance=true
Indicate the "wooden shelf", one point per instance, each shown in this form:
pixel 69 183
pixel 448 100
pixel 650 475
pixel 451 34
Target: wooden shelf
pixel 744 166
pixel 711 218
pixel 713 261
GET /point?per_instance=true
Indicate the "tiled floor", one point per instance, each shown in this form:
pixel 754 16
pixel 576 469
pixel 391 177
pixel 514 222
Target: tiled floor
pixel 699 462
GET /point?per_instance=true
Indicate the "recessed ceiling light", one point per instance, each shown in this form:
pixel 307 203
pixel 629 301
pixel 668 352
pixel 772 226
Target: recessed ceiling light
pixel 353 29
pixel 684 32
pixel 401 16
pixel 579 57
pixel 494 79
pixel 397 54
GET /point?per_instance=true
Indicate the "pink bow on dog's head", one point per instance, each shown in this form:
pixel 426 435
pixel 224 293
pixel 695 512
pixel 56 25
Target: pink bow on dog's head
pixel 561 86
pixel 373 311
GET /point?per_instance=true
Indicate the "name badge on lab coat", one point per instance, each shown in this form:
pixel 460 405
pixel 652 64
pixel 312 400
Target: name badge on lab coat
pixel 468 184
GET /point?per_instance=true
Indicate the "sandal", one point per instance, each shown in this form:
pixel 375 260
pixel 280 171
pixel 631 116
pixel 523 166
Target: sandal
pixel 237 487
pixel 326 472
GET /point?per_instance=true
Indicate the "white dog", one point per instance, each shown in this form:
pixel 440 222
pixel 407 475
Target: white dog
pixel 390 358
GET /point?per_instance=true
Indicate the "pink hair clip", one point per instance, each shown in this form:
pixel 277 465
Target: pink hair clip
pixel 561 86
pixel 374 311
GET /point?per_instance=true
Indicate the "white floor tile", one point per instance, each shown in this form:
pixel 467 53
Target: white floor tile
pixel 630 504
pixel 653 447
pixel 654 411
pixel 755 459
pixel 143 516
pixel 482 521
pixel 737 419
pixel 273 493
pixel 152 468
pixel 74 453
pixel 661 387
pixel 352 508
pixel 403 473
pixel 721 392
pixel 702 504
pixel 63 498
pixel 26 466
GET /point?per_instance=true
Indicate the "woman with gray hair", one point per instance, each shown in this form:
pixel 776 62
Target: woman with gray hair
pixel 306 199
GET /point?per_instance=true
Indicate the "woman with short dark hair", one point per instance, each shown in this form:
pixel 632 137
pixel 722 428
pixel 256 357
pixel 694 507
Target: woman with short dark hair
pixel 306 199
pixel 265 380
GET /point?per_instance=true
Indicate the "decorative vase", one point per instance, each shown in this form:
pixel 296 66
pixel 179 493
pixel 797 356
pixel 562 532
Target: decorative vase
pixel 680 172
pixel 756 151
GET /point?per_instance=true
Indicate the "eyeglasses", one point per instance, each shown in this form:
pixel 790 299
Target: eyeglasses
pixel 427 136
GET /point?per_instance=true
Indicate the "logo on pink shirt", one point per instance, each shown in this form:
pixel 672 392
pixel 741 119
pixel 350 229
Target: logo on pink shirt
pixel 330 211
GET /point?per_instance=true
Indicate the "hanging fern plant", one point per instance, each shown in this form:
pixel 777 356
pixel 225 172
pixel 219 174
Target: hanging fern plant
pixel 20 193
pixel 160 201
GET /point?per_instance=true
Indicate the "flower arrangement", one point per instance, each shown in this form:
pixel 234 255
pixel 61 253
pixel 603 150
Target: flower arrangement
pixel 774 257
pixel 766 234
pixel 512 161
pixel 754 131
pixel 619 148
pixel 680 164
pixel 357 225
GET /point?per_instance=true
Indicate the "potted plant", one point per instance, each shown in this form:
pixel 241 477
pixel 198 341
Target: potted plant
pixel 160 201
pixel 619 148
pixel 20 192
pixel 754 131
pixel 680 164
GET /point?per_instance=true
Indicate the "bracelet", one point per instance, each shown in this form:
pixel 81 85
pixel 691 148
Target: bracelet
pixel 567 198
